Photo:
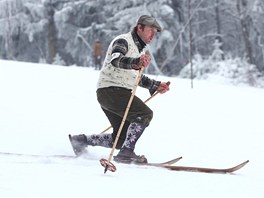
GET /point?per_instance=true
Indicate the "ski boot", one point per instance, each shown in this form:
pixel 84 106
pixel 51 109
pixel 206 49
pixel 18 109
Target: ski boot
pixel 79 144
pixel 128 156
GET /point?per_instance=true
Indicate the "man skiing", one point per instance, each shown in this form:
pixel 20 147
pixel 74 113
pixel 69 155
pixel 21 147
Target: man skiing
pixel 124 58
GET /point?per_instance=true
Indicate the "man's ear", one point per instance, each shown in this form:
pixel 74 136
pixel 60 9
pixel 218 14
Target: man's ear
pixel 139 27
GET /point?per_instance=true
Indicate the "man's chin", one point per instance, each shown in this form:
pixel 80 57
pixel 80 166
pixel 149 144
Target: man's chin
pixel 148 42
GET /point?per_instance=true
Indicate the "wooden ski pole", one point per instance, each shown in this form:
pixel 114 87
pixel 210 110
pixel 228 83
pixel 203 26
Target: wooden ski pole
pixel 107 163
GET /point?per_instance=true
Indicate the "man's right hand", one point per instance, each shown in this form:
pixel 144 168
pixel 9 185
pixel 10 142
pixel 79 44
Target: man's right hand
pixel 144 60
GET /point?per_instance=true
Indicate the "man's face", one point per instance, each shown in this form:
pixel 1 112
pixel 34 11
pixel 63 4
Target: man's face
pixel 147 34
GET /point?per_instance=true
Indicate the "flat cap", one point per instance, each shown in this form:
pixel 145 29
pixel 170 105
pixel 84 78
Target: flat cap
pixel 149 21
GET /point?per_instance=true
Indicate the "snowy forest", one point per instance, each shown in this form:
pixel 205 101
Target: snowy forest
pixel 198 35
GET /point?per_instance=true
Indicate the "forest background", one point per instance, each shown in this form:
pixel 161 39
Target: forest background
pixel 197 37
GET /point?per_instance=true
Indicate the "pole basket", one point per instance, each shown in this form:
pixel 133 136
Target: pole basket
pixel 107 165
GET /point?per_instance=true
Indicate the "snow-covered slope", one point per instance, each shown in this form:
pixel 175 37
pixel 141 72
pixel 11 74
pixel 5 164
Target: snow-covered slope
pixel 214 125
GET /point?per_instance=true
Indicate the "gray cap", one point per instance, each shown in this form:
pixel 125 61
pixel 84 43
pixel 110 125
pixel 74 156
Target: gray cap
pixel 149 21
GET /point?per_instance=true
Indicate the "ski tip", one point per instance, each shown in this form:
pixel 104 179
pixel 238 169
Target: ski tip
pixel 235 168
pixel 176 159
pixel 245 162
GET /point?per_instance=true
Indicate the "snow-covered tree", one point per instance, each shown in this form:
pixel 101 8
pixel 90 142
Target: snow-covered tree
pixel 58 60
pixel 34 30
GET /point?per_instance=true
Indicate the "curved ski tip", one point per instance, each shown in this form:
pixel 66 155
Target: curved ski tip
pixel 245 162
pixel 238 166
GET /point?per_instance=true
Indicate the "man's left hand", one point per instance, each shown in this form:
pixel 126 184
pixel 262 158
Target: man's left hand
pixel 163 87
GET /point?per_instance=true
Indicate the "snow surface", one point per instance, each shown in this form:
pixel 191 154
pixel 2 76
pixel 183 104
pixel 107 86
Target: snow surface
pixel 211 125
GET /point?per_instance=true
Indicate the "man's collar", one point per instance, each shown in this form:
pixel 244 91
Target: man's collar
pixel 138 41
